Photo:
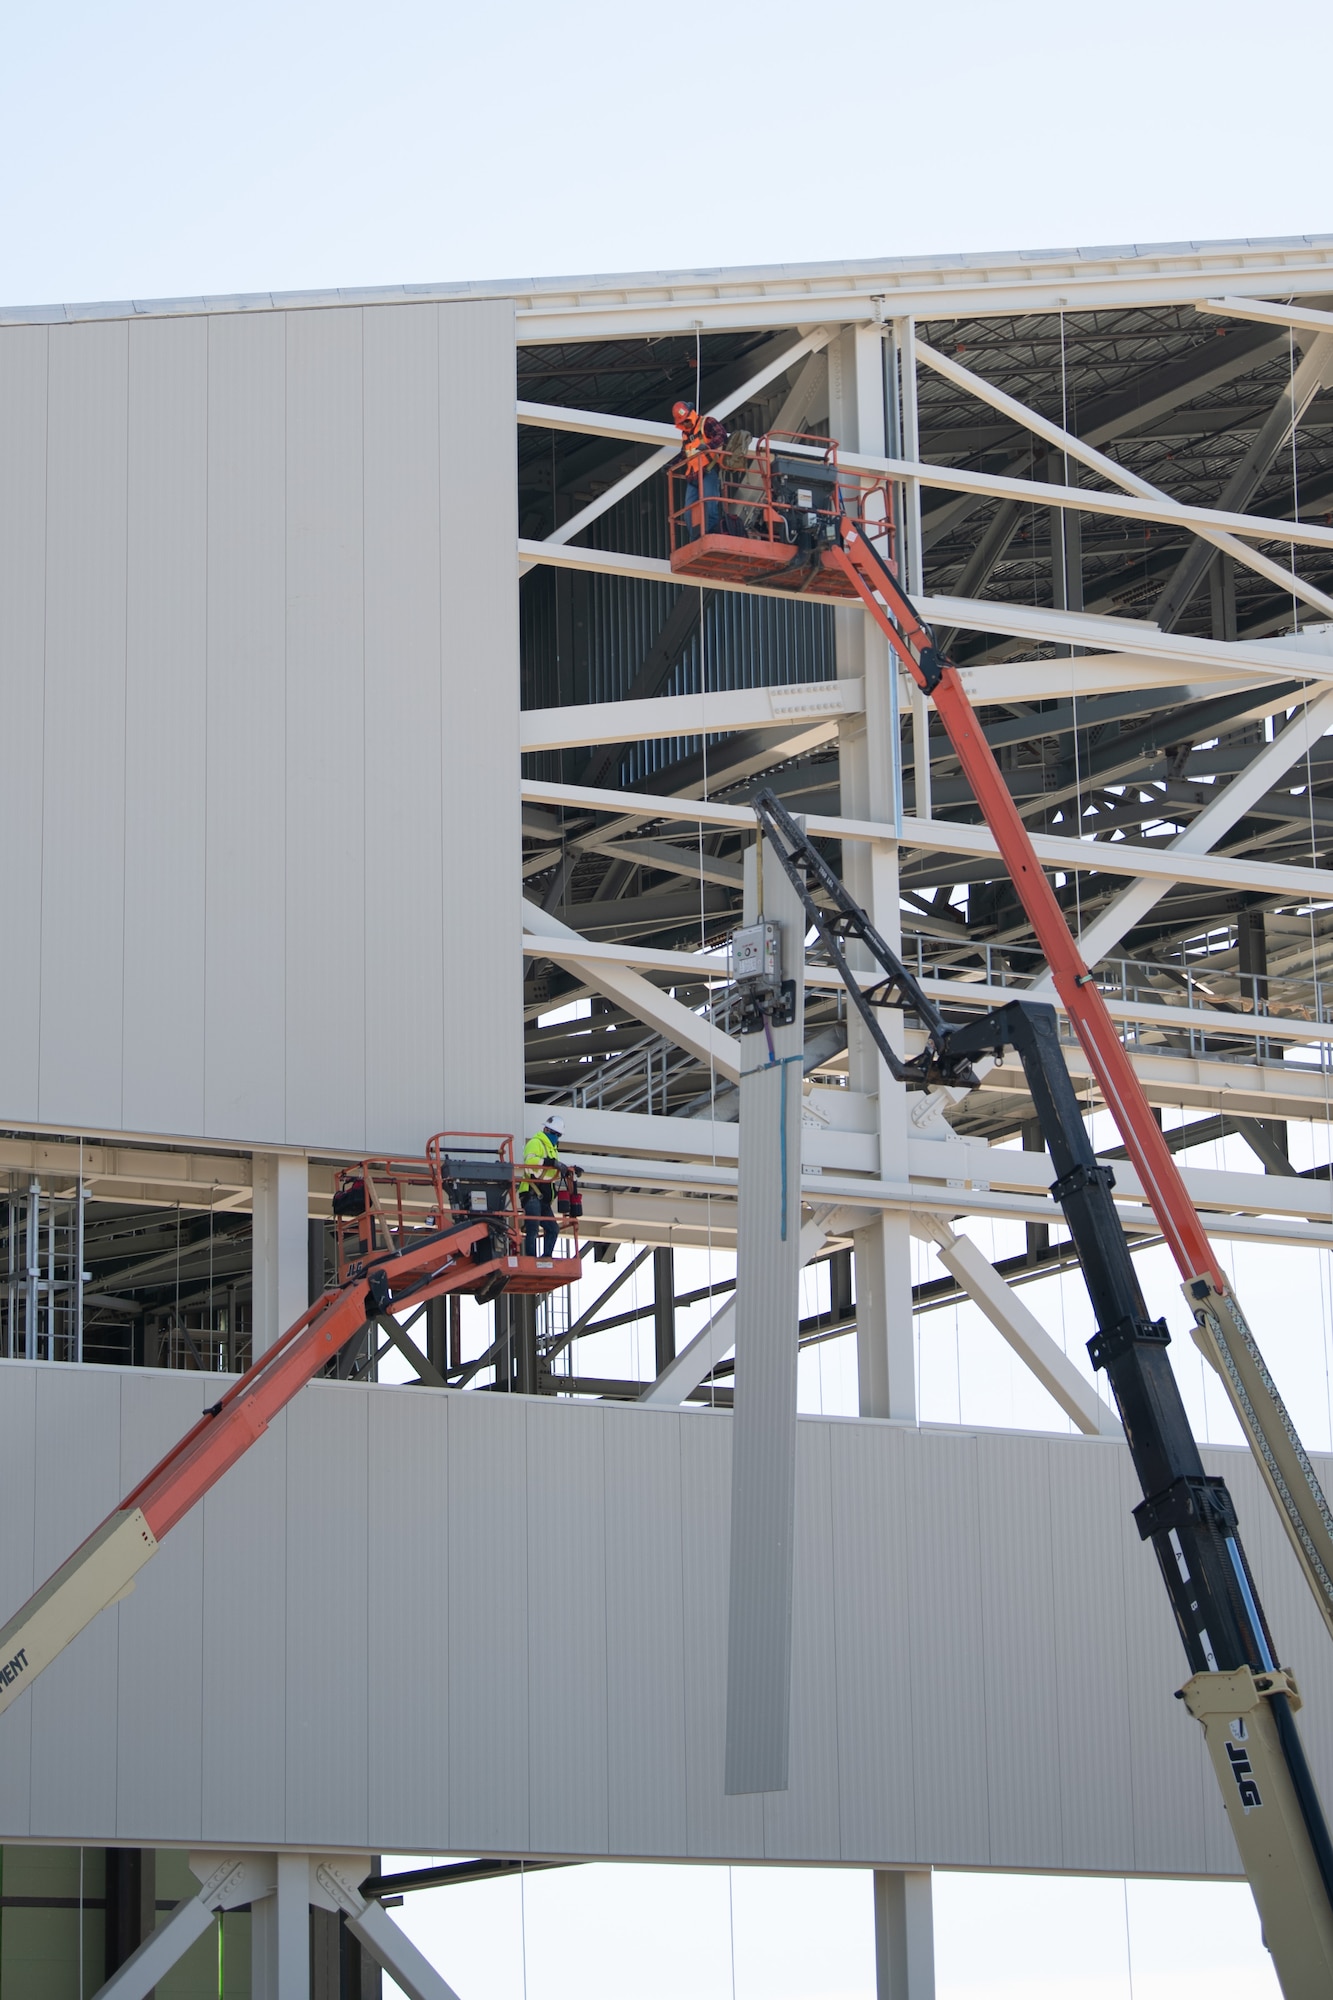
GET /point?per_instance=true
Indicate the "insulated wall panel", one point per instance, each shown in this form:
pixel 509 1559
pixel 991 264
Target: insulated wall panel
pixel 481 1017
pixel 23 402
pixel 245 1009
pixel 325 723
pixel 421 1578
pixel 408 1584
pixel 82 938
pixel 409 876
pixel 165 713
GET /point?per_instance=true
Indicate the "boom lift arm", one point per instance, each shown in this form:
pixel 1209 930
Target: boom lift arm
pixel 1221 1329
pixel 1243 1698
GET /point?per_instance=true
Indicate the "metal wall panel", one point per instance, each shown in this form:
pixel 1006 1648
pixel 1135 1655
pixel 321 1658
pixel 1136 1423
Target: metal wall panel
pixel 802 1823
pixel 77 1416
pixel 1017 1599
pixel 22 650
pixel 245 997
pixel 328 1632
pixel 481 1017
pixel 326 694
pixel 166 657
pixel 160 1654
pixel 566 1601
pixel 645 1673
pixel 83 746
pixel 488 1626
pixel 1035 1703
pixel 717 1826
pixel 1088 1680
pixel 410 1534
pixel 944 1595
pixel 873 1688
pixel 405 851
pixel 245 1670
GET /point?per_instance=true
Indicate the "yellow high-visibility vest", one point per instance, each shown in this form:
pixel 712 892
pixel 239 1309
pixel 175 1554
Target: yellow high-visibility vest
pixel 536 1153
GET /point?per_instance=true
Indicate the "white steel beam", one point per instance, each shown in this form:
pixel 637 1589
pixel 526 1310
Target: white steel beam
pixel 1063 440
pixel 672 715
pixel 643 999
pixel 1121 857
pixel 1130 505
pixel 1246 658
pixel 333 1886
pixel 227 1882
pixel 1310 318
pixel 662 457
pixel 1233 801
pixel 1077 1397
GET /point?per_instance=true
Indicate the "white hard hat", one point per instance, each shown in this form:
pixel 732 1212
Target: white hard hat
pixel 555 1123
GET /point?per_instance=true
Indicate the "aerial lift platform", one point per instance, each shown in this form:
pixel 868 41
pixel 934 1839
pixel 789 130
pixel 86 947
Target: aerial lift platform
pixel 408 1231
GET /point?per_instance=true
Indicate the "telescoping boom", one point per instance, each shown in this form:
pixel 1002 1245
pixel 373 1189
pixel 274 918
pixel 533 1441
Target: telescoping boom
pixel 1244 1699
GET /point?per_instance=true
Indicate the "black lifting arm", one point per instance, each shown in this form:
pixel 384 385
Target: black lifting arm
pixel 806 869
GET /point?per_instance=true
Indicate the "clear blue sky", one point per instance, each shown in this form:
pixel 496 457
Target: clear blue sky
pixel 155 151
pixel 152 150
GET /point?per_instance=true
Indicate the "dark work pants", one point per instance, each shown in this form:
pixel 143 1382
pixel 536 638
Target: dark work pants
pixel 537 1207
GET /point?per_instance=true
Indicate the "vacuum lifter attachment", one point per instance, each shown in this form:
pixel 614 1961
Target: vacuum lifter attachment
pixel 407 1233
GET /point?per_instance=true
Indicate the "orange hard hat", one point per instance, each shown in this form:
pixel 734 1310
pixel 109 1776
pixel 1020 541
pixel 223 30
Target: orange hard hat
pixel 681 412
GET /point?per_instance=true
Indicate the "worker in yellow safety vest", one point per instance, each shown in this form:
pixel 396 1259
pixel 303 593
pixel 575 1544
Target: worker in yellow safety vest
pixel 536 1191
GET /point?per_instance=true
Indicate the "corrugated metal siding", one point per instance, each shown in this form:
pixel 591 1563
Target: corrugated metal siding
pixel 585 637
pixel 581 1567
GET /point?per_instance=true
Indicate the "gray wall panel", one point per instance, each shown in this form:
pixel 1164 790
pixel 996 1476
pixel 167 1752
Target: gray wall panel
pixel 22 661
pixel 18 1577
pixel 245 1668
pixel 328 1633
pixel 717 1825
pixel 245 998
pixel 944 1595
pixel 410 1533
pixel 74 1705
pixel 802 1823
pixel 83 748
pixel 1089 1680
pixel 1039 1704
pixel 488 1625
pixel 566 1601
pixel 876 1782
pixel 160 1655
pixel 165 708
pixel 645 1691
pixel 326 719
pixel 405 849
pixel 481 1013
pixel 1017 1599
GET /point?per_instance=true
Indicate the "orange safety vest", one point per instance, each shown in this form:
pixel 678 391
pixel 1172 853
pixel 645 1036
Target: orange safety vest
pixel 698 451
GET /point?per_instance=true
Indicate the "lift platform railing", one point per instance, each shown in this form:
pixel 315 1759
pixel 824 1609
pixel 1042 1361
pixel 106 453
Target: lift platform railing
pixel 382 1207
pixel 776 512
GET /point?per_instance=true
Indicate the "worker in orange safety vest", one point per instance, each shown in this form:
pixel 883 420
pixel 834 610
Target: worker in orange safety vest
pixel 704 442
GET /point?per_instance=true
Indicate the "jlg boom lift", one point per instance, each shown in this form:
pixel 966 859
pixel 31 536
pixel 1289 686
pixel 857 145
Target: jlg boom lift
pixel 408 1231
pixel 790 521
